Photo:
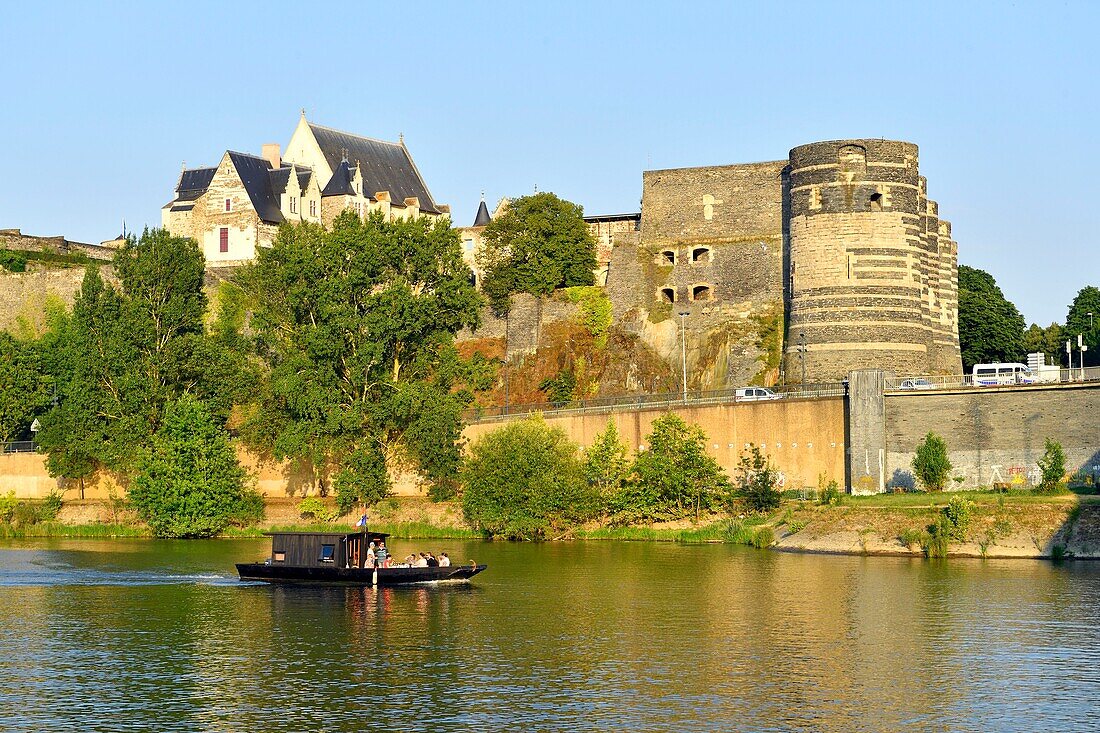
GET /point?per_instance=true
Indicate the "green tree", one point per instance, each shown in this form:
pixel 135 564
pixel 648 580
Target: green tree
pixel 673 476
pixel 1050 341
pixel 1078 321
pixel 526 481
pixel 356 325
pixel 189 484
pixel 25 389
pixel 605 462
pixel 991 329
pixel 539 244
pixel 1052 466
pixel 758 481
pixel 930 464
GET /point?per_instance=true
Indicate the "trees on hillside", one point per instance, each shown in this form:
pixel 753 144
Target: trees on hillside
pixel 540 243
pixel 991 329
pixel 25 389
pixel 356 325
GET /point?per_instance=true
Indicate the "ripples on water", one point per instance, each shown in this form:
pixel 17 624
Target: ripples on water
pixel 141 635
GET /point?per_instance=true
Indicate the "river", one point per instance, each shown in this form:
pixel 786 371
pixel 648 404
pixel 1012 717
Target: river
pixel 113 635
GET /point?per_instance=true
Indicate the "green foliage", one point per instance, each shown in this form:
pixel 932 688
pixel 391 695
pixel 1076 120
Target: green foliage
pixel 8 502
pixel 958 514
pixel 769 339
pixel 930 464
pixel 13 261
pixel 313 507
pixel 1049 341
pixel 605 463
pixel 25 388
pixel 1052 465
pixel 911 537
pixel 51 506
pixel 991 329
pixel 539 244
pixel 935 541
pixel 757 481
pixel 1078 321
pixel 560 388
pixel 356 325
pixel 595 311
pixel 828 492
pixel 190 484
pixel 673 477
pixel 526 481
pixel 764 537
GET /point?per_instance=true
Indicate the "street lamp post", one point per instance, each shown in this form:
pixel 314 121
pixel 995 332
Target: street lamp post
pixel 683 355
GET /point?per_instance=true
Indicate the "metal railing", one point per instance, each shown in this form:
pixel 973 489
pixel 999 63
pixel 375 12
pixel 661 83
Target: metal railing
pixel 18 446
pixel 665 400
pixel 961 381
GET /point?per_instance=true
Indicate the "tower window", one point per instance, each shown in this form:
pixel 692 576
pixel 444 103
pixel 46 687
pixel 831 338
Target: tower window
pixel 229 204
pixel 668 257
pixel 667 295
pixel 700 254
pixel 700 292
pixel 293 204
pixel 876 201
pixel 223 239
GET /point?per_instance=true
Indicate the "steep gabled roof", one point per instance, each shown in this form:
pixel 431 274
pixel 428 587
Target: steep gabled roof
pixel 254 172
pixel 384 166
pixel 279 179
pixel 340 183
pixel 304 175
pixel 194 182
pixel 482 218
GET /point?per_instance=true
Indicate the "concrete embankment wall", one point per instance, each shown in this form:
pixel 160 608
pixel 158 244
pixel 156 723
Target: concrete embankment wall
pixel 995 435
pixel 805 438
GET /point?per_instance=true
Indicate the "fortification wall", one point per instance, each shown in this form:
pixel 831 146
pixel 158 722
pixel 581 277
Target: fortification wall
pixel 14 239
pixel 24 295
pixel 805 438
pixel 995 435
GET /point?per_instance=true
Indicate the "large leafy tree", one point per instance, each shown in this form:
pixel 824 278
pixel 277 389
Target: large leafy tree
pixel 540 243
pixel 356 325
pixel 126 352
pixel 25 389
pixel 189 483
pixel 526 481
pixel 991 329
pixel 1078 321
pixel 1048 341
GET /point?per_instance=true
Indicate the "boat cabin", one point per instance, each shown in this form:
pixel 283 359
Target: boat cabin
pixel 321 549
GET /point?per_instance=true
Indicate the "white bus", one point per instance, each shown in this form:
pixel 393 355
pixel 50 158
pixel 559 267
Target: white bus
pixel 986 375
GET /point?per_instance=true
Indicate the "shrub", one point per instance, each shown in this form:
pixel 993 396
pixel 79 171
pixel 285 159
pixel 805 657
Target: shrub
pixel 736 533
pixel 13 261
pixel 828 494
pixel 757 481
pixel 911 537
pixel 51 506
pixel 25 513
pixel 930 464
pixel 934 542
pixel 764 537
pixel 957 513
pixel 605 463
pixel 8 502
pixel 313 507
pixel 1052 465
pixel 190 483
pixel 526 481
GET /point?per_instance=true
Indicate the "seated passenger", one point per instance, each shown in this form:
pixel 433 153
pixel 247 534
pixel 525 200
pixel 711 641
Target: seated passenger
pixel 422 561
pixel 444 561
pixel 432 561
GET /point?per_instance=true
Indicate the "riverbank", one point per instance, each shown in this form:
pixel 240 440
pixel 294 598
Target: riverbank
pixel 1012 525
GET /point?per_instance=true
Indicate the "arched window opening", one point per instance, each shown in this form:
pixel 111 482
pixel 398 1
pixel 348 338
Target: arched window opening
pixel 700 254
pixel 700 292
pixel 668 257
pixel 667 295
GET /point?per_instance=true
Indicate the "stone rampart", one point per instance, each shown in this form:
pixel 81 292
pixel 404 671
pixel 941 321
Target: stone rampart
pixel 14 239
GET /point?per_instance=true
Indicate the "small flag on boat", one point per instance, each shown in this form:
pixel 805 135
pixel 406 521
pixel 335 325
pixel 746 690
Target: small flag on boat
pixel 362 521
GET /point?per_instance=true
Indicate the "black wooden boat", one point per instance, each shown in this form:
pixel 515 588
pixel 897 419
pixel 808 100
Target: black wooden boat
pixel 339 557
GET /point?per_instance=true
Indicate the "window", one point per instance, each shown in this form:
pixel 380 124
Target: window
pixel 293 204
pixel 876 201
pixel 229 204
pixel 223 239
pixel 700 254
pixel 668 257
pixel 313 208
pixel 667 295
pixel 700 292
pixel 279 555
pixel 327 552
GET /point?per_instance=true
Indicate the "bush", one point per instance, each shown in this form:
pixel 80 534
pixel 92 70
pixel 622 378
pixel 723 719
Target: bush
pixel 26 513
pixel 957 513
pixel 757 481
pixel 190 483
pixel 313 507
pixel 8 502
pixel 526 481
pixel 764 537
pixel 51 506
pixel 13 261
pixel 934 542
pixel 911 537
pixel 1052 465
pixel 829 494
pixel 930 464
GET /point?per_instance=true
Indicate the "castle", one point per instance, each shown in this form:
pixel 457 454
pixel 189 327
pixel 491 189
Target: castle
pixel 833 259
pixel 236 206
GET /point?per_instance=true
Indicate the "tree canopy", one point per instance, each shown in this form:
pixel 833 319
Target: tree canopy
pixel 25 389
pixel 991 329
pixel 1078 322
pixel 539 244
pixel 356 325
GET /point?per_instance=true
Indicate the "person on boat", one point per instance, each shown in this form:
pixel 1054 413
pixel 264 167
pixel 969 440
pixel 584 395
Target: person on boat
pixel 421 562
pixel 432 561
pixel 383 555
pixel 410 559
pixel 444 561
pixel 371 555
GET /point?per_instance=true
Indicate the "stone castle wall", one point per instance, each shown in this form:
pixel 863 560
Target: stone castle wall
pixel 14 239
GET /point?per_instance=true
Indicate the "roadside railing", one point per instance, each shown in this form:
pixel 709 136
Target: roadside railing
pixel 18 446
pixel 664 400
pixel 949 381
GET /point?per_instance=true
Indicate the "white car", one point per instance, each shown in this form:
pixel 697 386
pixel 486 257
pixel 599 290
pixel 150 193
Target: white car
pixel 752 394
pixel 916 384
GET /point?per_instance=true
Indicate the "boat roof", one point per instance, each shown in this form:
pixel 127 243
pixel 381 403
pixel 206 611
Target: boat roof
pixel 334 533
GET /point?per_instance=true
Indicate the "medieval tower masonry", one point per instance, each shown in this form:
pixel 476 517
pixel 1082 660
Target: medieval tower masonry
pixel 831 260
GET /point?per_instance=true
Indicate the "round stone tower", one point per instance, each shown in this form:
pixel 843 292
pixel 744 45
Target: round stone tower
pixel 863 273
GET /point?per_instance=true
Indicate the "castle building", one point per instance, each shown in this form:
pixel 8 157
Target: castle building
pixel 236 206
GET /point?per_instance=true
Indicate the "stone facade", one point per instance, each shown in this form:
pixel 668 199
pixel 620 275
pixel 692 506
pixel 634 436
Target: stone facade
pixel 14 239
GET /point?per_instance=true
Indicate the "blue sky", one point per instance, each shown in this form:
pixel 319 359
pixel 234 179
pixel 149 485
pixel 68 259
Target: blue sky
pixel 103 102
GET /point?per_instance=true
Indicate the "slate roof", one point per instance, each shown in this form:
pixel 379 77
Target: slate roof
pixel 384 166
pixel 193 183
pixel 340 183
pixel 482 218
pixel 254 173
pixel 279 179
pixel 303 178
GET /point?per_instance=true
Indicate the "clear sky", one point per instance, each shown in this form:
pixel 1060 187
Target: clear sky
pixel 104 101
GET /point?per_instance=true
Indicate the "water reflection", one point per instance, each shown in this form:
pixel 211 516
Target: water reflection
pixel 596 636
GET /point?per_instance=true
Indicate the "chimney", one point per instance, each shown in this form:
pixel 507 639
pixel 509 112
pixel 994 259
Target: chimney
pixel 271 155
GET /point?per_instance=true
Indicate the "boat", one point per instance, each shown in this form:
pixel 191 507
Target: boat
pixel 340 557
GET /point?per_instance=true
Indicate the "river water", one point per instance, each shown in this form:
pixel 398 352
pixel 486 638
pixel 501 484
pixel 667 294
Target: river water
pixel 159 635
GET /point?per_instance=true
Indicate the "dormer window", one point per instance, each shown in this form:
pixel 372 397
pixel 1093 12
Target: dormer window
pixel 229 204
